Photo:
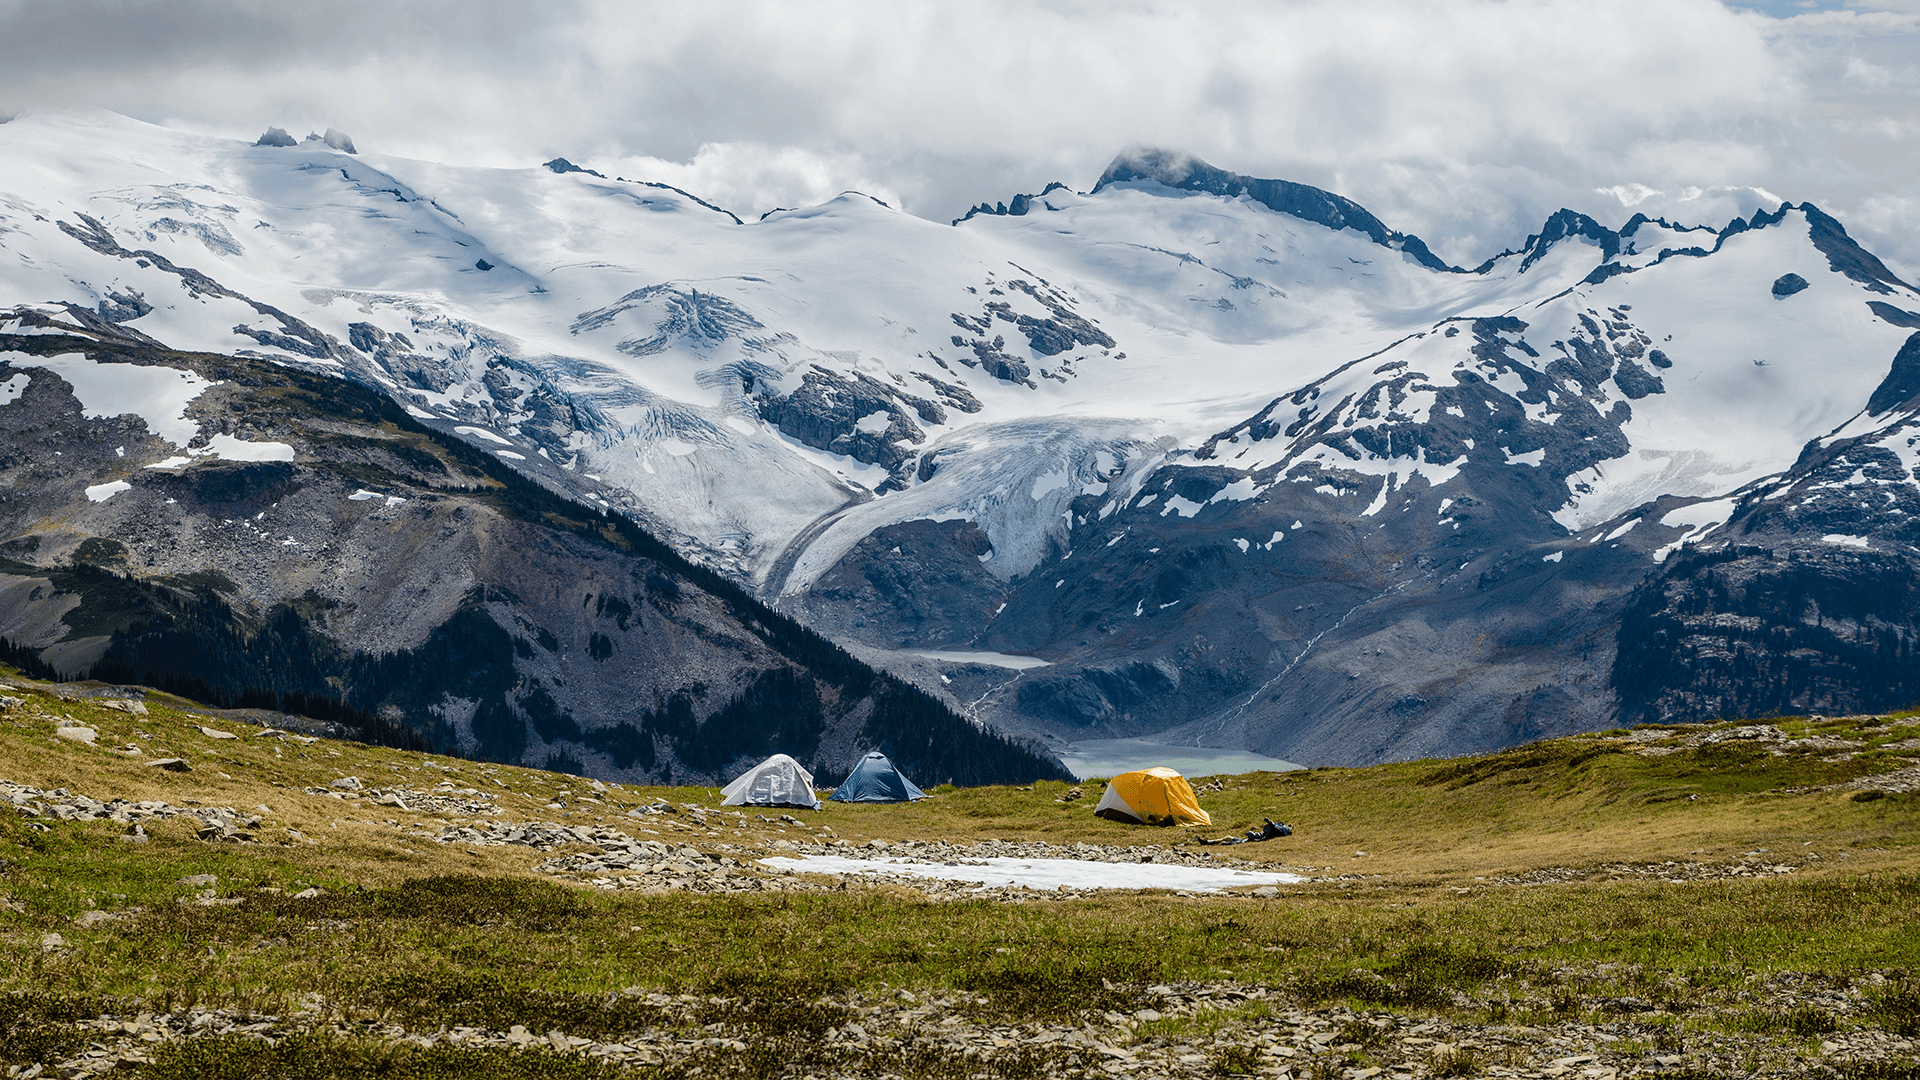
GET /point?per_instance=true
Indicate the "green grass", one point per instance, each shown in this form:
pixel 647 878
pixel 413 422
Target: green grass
pixel 426 935
pixel 484 949
pixel 323 1057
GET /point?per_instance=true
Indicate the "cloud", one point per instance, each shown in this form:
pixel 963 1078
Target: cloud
pixel 1630 195
pixel 1466 121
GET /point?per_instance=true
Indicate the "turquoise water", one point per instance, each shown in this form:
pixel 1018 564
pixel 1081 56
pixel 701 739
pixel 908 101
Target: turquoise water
pixel 1109 757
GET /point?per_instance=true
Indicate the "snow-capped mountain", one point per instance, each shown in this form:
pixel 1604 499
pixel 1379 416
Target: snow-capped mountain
pixel 1230 455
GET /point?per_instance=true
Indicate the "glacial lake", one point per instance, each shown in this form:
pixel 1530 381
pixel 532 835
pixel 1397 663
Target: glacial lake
pixel 991 659
pixel 1109 757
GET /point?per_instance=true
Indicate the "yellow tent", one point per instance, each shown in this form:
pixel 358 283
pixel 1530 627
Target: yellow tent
pixel 1157 796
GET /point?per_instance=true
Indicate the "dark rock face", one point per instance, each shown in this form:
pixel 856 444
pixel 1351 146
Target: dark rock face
pixel 274 136
pixel 1114 700
pixel 1902 381
pixel 1787 285
pixel 1847 257
pixel 1637 382
pixel 395 353
pixel 918 584
pixel 1566 224
pixel 282 341
pixel 233 489
pixel 476 608
pixel 1894 315
pixel 990 359
pixel 1050 336
pixel 119 307
pixel 858 416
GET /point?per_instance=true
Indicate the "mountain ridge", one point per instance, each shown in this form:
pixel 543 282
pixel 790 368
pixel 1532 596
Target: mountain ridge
pixel 457 646
pixel 1231 471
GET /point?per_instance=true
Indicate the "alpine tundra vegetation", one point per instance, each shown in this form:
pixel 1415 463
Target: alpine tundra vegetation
pixel 198 892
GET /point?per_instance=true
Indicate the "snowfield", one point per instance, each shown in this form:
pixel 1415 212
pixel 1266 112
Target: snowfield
pixel 893 425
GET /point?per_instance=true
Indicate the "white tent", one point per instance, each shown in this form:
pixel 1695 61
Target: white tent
pixel 777 781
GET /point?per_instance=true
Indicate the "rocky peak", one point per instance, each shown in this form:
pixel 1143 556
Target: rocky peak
pixel 1565 225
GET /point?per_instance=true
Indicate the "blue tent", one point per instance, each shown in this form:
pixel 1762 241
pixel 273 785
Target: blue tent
pixel 876 780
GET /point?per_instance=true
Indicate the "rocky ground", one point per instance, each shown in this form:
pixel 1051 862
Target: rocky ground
pixel 1783 1026
pixel 609 858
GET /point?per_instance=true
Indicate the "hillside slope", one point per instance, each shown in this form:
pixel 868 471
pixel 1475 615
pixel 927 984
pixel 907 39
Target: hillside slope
pixel 246 532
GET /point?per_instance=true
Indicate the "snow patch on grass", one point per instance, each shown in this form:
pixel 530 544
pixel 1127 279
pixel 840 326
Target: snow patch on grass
pixel 1001 873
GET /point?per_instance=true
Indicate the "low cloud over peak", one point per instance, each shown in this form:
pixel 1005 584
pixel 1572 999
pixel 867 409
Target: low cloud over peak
pixel 1464 122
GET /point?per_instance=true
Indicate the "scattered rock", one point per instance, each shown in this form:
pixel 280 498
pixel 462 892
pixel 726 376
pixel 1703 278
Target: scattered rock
pixel 1277 1039
pixel 216 733
pixel 77 734
pixel 171 764
pixel 60 804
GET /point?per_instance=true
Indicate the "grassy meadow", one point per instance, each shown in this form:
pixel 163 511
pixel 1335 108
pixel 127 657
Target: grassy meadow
pixel 1556 880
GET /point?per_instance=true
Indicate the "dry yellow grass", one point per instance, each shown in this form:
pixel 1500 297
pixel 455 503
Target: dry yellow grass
pixel 1586 801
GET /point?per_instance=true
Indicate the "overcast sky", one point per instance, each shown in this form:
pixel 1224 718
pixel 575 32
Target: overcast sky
pixel 1464 121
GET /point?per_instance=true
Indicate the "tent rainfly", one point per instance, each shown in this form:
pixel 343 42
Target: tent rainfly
pixel 777 781
pixel 1157 796
pixel 876 780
